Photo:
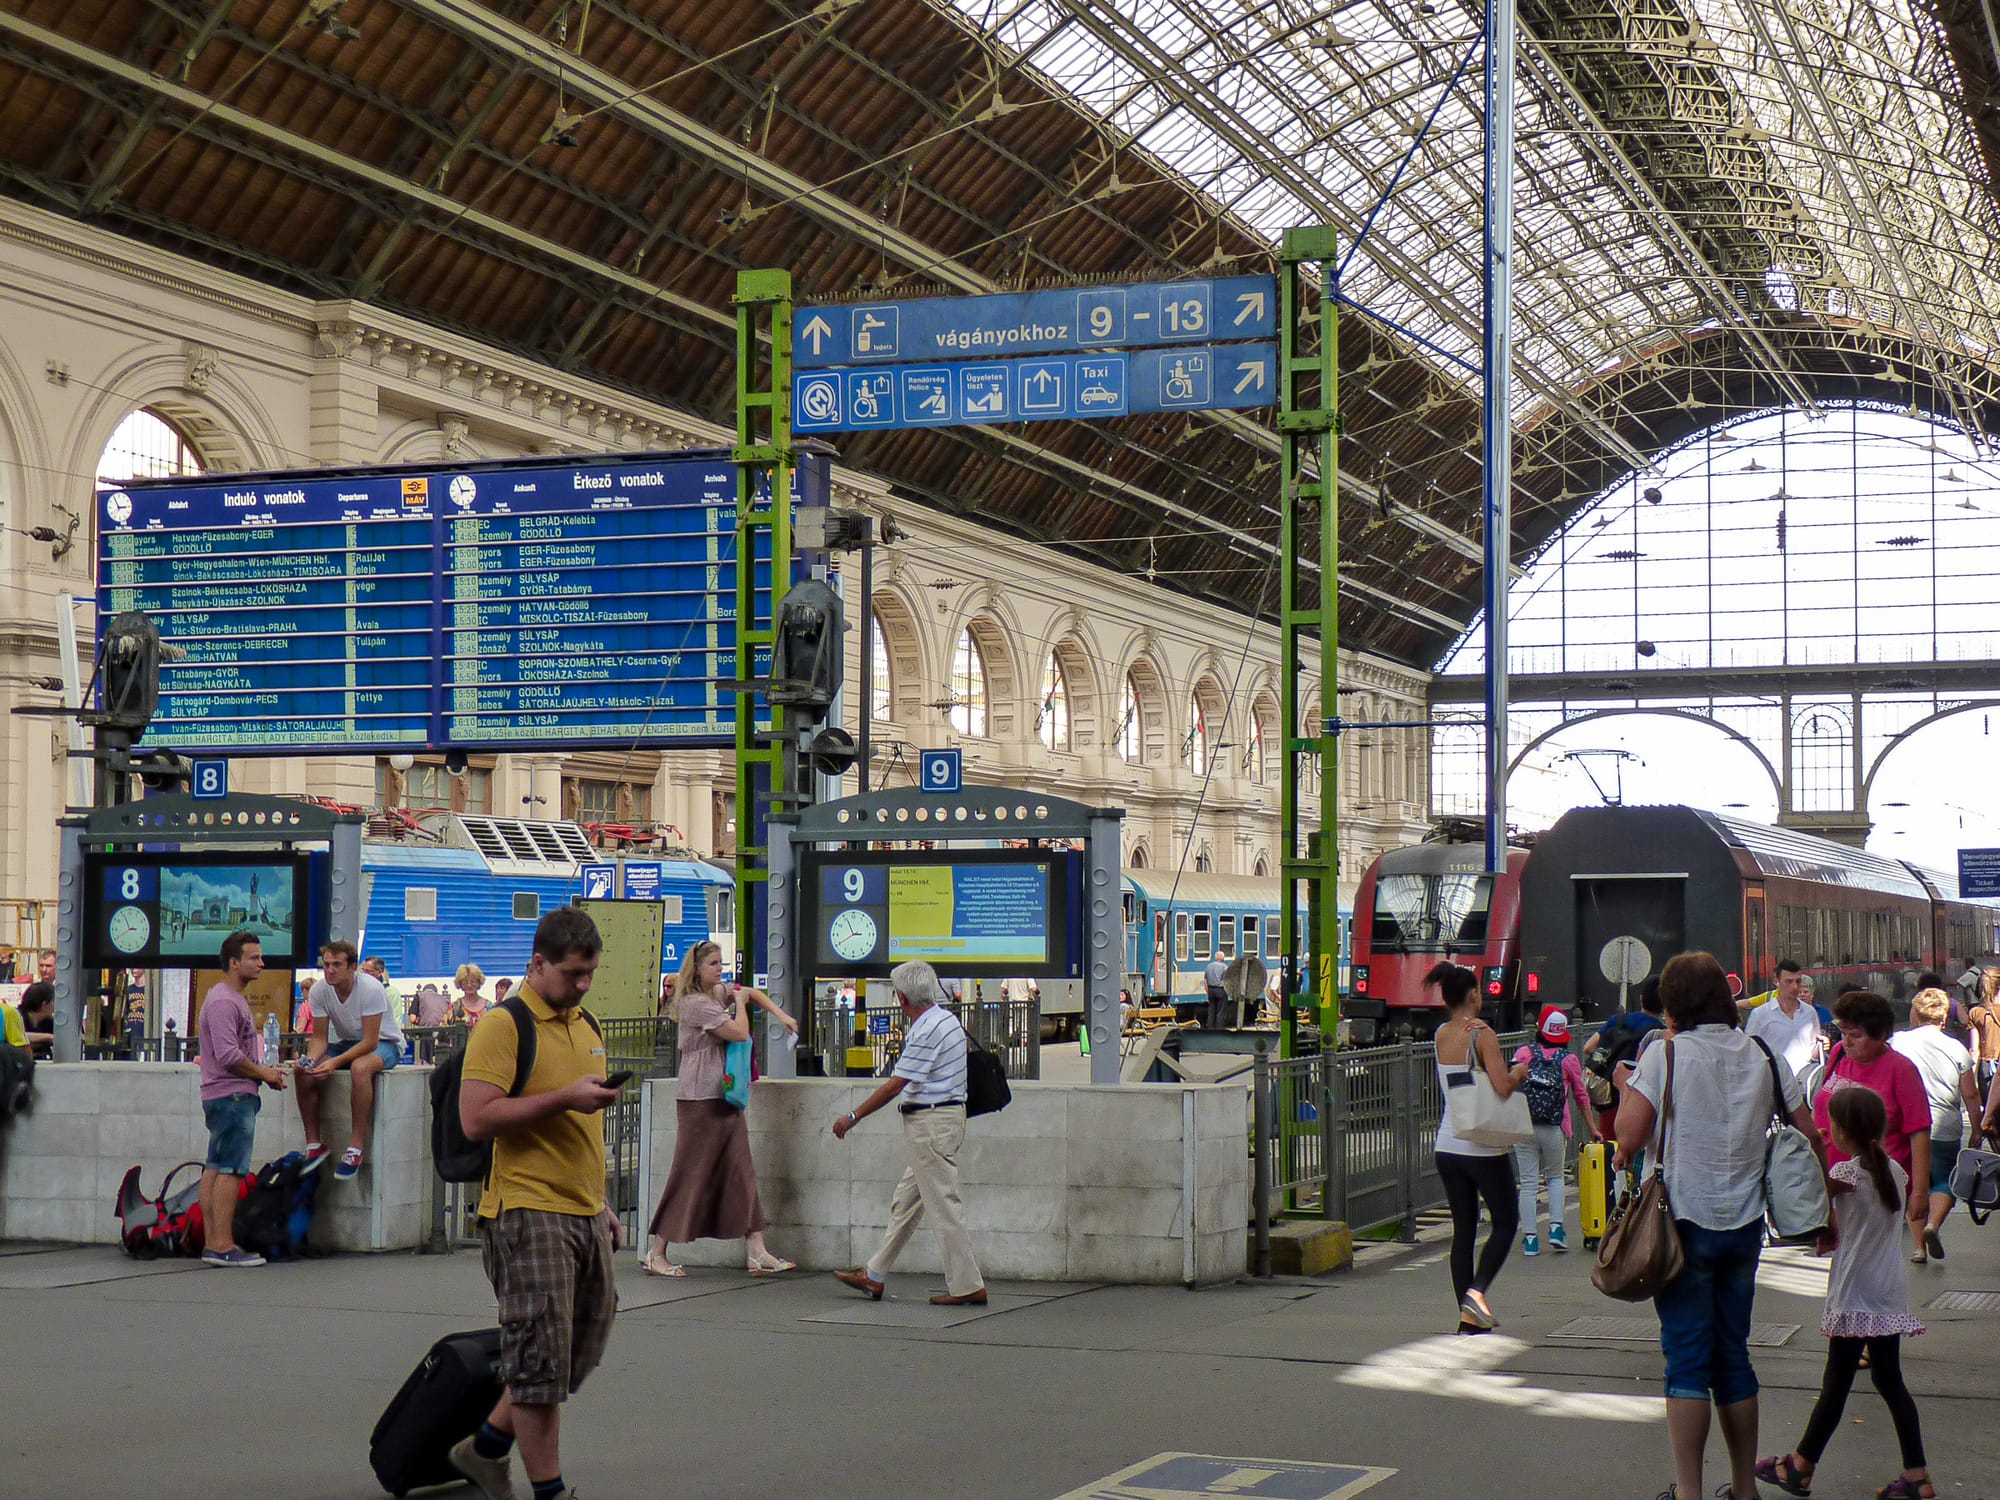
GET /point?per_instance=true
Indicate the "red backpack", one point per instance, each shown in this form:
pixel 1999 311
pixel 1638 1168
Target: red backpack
pixel 168 1225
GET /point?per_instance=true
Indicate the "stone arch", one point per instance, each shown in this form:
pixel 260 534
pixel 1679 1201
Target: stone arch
pixel 1260 733
pixel 1207 699
pixel 1777 782
pixel 23 454
pixel 1154 709
pixel 1138 857
pixel 1261 870
pixel 904 640
pixel 1086 698
pixel 222 416
pixel 1003 670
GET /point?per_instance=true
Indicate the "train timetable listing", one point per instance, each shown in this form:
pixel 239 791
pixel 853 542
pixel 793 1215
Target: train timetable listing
pixel 509 602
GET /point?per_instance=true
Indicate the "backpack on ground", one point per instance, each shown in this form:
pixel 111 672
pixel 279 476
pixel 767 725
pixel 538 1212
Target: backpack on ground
pixel 275 1213
pixel 154 1228
pixel 1544 1086
pixel 458 1157
pixel 985 1080
pixel 444 1400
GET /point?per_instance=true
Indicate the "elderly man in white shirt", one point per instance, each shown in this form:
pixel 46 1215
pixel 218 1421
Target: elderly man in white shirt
pixel 928 1088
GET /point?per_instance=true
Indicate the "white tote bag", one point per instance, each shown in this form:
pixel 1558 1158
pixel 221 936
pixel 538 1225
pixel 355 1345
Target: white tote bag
pixel 1479 1116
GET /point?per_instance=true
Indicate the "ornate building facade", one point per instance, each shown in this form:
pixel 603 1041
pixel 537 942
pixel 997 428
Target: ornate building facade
pixel 1051 673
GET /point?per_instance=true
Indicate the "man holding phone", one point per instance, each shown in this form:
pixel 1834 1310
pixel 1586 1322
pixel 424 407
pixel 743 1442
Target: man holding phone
pixel 549 1236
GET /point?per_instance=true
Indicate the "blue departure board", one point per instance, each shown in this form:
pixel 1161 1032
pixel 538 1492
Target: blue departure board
pixel 480 606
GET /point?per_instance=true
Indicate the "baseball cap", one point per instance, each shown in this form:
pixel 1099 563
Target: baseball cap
pixel 1555 1026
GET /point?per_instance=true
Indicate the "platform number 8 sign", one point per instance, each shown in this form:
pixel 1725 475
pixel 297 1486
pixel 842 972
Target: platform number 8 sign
pixel 941 771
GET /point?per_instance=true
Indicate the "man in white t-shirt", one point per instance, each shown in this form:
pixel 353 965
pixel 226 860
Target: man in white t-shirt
pixel 1788 1024
pixel 354 1027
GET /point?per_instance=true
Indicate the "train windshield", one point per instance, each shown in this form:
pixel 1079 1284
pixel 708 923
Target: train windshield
pixel 1431 913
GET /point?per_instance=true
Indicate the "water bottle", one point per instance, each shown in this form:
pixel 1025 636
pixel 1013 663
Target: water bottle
pixel 271 1040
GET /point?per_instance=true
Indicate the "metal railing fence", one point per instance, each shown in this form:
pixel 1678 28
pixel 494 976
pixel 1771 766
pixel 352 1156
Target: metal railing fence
pixel 1012 1028
pixel 1349 1136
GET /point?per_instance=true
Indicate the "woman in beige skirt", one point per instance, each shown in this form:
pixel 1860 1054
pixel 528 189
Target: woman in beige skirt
pixel 711 1191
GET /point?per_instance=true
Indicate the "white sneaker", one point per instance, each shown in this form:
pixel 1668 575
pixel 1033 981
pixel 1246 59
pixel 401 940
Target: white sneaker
pixel 492 1477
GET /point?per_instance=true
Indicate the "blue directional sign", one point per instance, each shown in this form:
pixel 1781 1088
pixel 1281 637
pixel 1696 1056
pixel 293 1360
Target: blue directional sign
pixel 209 779
pixel 599 881
pixel 941 770
pixel 1099 317
pixel 1978 874
pixel 1051 388
pixel 484 606
pixel 642 880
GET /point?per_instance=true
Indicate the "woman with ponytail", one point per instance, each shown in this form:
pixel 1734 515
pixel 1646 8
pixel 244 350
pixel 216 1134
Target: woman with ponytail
pixel 1867 1301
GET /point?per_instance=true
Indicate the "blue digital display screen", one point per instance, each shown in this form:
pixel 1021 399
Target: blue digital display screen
pixel 483 606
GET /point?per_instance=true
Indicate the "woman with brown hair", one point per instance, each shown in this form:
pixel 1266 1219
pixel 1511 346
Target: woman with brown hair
pixel 711 1191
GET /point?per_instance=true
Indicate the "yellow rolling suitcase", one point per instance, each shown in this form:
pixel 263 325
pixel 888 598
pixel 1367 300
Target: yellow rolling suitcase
pixel 1593 1191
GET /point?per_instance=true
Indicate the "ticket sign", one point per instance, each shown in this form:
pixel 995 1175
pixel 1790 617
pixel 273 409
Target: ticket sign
pixel 483 606
pixel 1979 874
pixel 973 913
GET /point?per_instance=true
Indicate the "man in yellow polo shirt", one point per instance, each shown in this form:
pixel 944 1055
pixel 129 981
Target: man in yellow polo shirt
pixel 549 1238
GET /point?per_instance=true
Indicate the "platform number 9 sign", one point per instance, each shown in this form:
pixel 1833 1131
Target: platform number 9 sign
pixel 941 771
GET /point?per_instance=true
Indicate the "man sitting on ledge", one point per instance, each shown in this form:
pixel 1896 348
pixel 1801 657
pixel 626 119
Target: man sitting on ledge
pixel 350 1007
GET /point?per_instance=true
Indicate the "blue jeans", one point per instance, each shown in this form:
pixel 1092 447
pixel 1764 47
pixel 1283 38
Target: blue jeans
pixel 232 1131
pixel 1705 1314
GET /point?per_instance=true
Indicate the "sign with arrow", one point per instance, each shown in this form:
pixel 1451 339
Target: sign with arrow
pixel 1058 321
pixel 1051 388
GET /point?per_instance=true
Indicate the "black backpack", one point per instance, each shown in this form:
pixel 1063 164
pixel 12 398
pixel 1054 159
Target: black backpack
pixel 275 1213
pixel 1544 1085
pixel 17 1079
pixel 459 1158
pixel 985 1080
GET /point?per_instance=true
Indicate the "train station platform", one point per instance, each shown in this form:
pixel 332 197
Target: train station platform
pixel 169 1380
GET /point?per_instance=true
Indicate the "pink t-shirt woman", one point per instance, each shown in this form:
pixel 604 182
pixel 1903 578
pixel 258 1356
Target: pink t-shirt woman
pixel 1901 1086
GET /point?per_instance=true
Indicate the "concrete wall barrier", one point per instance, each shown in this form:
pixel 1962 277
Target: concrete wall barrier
pixel 1069 1183
pixel 61 1165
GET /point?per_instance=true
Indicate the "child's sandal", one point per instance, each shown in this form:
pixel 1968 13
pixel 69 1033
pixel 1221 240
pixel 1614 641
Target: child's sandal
pixel 1900 1488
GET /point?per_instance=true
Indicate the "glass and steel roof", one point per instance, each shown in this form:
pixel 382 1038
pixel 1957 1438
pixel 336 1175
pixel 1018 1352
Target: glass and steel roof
pixel 1681 162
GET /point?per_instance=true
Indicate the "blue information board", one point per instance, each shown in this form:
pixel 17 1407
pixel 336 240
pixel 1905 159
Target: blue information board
pixel 1065 387
pixel 1979 874
pixel 642 880
pixel 479 606
pixel 1093 317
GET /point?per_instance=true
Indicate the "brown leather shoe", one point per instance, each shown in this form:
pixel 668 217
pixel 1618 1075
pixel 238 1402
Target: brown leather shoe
pixel 861 1281
pixel 970 1299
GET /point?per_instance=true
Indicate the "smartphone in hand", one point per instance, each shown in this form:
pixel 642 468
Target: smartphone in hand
pixel 619 1079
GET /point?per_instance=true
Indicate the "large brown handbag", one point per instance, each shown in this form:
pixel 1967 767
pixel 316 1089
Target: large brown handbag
pixel 1641 1251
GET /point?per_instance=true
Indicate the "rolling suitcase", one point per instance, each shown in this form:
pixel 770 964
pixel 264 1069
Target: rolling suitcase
pixel 1593 1192
pixel 445 1399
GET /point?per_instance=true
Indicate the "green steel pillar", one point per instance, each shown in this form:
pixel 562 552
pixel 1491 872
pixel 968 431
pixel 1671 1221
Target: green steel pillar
pixel 1310 623
pixel 763 456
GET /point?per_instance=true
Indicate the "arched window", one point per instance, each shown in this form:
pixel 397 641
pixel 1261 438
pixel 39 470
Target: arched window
pixel 147 446
pixel 1255 759
pixel 1203 865
pixel 1197 735
pixel 1137 858
pixel 1131 731
pixel 1263 871
pixel 1052 721
pixel 879 693
pixel 968 687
